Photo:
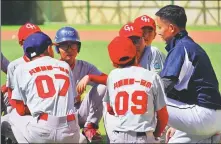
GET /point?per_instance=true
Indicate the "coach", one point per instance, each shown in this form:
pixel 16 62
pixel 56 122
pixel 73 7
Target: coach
pixel 193 97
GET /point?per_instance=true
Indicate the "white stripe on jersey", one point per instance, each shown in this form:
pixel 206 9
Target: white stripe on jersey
pixel 185 73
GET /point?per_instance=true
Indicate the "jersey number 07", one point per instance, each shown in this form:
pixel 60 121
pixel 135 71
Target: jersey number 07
pixel 139 98
pixel 50 85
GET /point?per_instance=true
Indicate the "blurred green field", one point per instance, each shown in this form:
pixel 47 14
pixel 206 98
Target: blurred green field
pixel 96 53
pixel 91 27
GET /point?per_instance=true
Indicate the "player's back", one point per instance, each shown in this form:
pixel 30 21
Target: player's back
pixel 11 68
pixel 45 86
pixel 132 94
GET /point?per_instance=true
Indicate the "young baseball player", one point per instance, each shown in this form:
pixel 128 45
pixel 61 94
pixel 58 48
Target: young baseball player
pixel 191 85
pixel 151 57
pixel 147 56
pixel 90 109
pixel 43 89
pixel 24 31
pixel 136 96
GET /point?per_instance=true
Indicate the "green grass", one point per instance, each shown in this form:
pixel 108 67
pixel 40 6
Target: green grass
pixel 96 53
pixel 204 28
pixel 104 27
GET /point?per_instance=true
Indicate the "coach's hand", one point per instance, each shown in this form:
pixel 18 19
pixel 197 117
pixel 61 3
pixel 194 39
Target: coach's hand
pixel 81 86
pixel 169 134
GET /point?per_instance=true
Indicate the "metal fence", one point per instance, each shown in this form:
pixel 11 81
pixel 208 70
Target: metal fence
pixel 119 12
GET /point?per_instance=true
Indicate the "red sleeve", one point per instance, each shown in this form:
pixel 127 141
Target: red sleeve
pixel 21 108
pixel 17 104
pixel 100 79
pixel 110 109
pixel 162 120
pixel 4 89
pixel 12 102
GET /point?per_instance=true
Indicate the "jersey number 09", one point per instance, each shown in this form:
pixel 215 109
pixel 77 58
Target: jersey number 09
pixel 50 85
pixel 124 96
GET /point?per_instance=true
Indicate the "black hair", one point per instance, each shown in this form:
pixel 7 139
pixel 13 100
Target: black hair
pixel 174 14
pixel 147 27
pixel 130 63
pixel 135 39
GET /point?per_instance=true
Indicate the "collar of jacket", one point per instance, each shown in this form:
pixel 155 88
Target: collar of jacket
pixel 172 42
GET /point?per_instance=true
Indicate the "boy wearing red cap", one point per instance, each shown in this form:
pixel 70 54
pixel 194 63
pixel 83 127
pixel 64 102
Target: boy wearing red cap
pixel 146 58
pixel 24 31
pixel 132 32
pixel 151 57
pixel 44 96
pixel 136 101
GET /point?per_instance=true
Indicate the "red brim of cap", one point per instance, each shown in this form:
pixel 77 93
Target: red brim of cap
pixel 142 24
pixel 121 47
pixel 130 33
pixel 135 34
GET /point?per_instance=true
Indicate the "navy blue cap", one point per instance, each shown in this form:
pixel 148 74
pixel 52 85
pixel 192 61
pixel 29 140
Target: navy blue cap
pixel 36 44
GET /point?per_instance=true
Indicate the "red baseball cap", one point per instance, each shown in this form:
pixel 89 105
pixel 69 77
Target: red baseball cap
pixel 121 50
pixel 130 29
pixel 145 20
pixel 26 30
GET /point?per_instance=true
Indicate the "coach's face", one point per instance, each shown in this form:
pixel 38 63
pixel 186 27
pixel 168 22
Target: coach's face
pixel 165 29
pixel 68 51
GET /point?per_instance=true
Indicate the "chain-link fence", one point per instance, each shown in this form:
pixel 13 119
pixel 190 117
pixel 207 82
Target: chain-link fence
pixel 106 12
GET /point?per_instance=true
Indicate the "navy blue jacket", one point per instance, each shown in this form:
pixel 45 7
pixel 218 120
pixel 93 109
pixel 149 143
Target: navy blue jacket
pixel 189 63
